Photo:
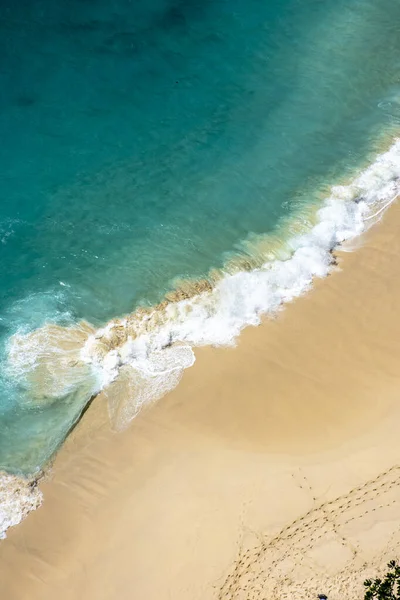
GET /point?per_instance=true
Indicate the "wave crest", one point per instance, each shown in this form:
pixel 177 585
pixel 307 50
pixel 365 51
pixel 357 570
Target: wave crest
pixel 139 358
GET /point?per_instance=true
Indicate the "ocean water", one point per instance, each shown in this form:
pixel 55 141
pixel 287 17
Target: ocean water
pixel 147 143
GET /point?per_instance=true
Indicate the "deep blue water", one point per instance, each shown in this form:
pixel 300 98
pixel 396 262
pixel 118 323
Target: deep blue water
pixel 142 142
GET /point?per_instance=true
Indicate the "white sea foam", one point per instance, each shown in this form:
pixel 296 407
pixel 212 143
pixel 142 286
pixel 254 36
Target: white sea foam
pixel 216 317
pixel 139 358
pixel 7 229
pixel 18 497
pixel 153 348
pixel 144 381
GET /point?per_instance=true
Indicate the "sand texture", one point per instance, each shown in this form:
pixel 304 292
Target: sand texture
pixel 271 472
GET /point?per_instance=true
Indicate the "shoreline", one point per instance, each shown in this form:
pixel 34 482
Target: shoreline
pixel 145 353
pixel 304 410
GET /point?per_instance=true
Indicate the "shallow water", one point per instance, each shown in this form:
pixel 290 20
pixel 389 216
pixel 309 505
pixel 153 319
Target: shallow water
pixel 144 144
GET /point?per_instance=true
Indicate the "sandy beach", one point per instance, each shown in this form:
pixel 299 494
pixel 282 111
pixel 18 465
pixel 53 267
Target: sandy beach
pixel 272 471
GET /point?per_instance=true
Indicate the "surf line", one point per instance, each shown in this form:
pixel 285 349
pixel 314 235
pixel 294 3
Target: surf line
pixel 139 358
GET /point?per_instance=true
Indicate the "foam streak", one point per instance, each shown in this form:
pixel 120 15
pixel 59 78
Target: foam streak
pixel 216 315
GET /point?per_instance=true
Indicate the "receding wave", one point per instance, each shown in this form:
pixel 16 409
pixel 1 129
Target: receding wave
pixel 138 358
pixel 47 361
pixel 18 497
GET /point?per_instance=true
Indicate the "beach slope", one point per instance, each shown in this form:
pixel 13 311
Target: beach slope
pixel 272 471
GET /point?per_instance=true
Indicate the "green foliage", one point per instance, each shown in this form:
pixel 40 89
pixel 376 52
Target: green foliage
pixel 387 588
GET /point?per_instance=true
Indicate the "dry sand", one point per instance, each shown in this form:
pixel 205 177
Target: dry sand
pixel 270 472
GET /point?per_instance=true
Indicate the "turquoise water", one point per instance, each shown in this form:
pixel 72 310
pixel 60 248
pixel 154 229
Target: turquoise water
pixel 144 144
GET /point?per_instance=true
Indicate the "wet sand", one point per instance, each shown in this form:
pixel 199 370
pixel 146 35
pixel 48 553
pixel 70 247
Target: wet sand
pixel 270 472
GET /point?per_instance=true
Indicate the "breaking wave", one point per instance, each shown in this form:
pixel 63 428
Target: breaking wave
pixel 137 359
